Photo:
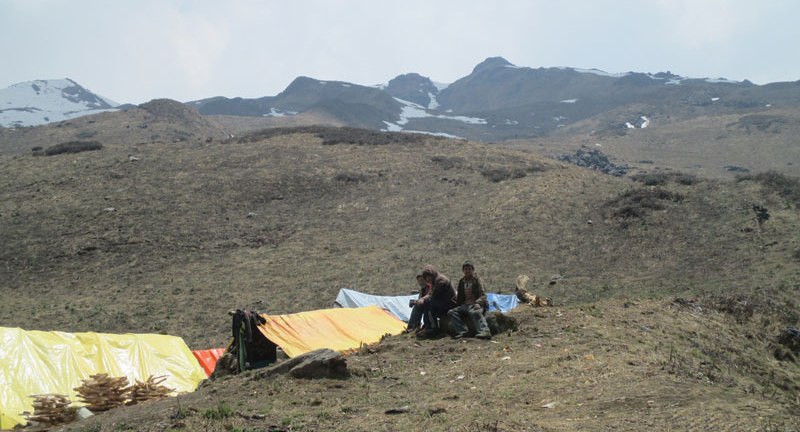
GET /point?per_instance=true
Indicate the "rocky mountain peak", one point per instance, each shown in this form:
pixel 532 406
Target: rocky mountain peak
pixel 491 63
pixel 414 88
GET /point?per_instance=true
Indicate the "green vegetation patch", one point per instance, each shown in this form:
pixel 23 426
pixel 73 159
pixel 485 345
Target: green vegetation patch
pixel 339 135
pixel 636 203
pixel 662 179
pixel 73 147
pixel 787 187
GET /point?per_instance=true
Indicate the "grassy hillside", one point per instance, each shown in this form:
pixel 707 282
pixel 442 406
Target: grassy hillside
pixel 171 238
pixel 157 121
pixel 623 366
pixel 711 146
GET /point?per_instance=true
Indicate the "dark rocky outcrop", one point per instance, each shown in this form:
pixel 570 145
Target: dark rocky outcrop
pixel 595 160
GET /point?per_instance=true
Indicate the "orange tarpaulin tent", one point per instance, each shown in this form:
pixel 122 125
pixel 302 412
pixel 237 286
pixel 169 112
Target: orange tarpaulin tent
pixel 341 329
pixel 208 358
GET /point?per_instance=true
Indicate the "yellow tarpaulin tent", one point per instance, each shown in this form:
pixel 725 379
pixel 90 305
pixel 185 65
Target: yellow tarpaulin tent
pixel 338 329
pixel 37 362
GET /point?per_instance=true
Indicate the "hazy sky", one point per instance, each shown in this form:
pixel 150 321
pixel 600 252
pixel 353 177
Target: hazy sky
pixel 137 50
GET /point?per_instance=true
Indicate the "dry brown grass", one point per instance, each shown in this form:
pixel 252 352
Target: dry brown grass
pixel 172 239
pixel 627 365
pixel 702 146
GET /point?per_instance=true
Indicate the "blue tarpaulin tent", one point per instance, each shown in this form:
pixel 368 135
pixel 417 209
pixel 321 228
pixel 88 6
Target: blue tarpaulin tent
pixel 398 305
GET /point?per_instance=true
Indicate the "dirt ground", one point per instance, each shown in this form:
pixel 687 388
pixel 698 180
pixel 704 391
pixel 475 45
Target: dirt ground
pixel 162 237
pixel 623 366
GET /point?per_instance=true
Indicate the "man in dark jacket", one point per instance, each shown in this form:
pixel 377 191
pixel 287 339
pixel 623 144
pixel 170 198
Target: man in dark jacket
pixel 437 301
pixel 471 301
pixel 415 320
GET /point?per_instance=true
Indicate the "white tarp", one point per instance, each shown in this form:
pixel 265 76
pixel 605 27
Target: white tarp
pixel 396 305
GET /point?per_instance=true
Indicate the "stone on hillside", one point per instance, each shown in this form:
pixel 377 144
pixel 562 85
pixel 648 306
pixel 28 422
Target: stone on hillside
pixel 501 323
pixel 595 160
pixel 322 363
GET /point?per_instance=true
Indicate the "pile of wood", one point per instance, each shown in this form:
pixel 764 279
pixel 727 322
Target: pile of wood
pixel 527 297
pixel 149 390
pixel 101 393
pixel 51 409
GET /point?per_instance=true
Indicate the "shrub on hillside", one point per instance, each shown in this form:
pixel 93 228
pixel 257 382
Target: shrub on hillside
pixel 73 147
pixel 498 174
pixel 339 135
pixel 661 179
pixel 785 186
pixel 741 307
pixel 348 177
pixel 637 202
pixel 448 162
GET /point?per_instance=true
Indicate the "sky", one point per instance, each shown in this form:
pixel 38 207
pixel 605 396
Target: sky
pixel 132 51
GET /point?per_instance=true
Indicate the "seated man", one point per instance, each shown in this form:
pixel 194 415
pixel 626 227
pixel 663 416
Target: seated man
pixel 470 301
pixel 415 320
pixel 440 298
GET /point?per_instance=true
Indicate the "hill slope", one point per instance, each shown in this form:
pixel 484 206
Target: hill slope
pixel 160 120
pixel 172 239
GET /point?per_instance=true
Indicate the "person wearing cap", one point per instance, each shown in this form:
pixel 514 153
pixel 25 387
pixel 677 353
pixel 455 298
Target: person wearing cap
pixel 415 320
pixel 471 302
pixel 440 298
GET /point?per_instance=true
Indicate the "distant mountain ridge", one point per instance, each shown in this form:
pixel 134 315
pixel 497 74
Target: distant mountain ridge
pixel 39 102
pixel 499 100
pixel 496 101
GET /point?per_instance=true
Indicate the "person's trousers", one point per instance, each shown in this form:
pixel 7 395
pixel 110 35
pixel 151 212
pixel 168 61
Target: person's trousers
pixel 432 311
pixel 475 313
pixel 415 319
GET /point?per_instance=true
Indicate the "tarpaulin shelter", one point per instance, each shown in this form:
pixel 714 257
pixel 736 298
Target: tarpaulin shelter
pixel 502 302
pixel 398 305
pixel 208 358
pixel 339 329
pixel 39 362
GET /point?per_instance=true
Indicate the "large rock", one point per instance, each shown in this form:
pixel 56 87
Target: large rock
pixel 594 159
pixel 501 323
pixel 322 363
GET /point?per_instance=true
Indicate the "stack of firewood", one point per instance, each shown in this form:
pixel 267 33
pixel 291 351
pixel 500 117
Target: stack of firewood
pixel 528 297
pixel 51 409
pixel 101 393
pixel 149 390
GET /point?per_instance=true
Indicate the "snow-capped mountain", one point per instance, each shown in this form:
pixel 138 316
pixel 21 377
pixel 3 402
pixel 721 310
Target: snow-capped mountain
pixel 499 100
pixel 39 102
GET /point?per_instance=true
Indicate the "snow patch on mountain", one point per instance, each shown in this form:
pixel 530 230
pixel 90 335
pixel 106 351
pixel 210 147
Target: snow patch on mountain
pixel 39 102
pixel 278 113
pixel 433 104
pixel 596 72
pixel 392 127
pixel 721 81
pixel 411 110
